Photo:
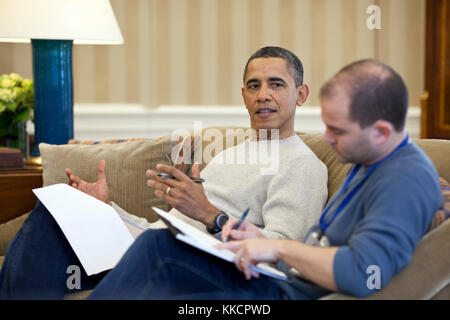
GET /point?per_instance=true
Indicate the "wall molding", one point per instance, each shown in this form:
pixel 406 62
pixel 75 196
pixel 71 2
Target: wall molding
pixel 119 121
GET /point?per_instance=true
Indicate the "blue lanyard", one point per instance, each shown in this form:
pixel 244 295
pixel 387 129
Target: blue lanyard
pixel 323 225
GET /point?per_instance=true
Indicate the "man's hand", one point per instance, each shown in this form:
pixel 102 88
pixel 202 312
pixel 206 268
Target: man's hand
pixel 314 263
pixel 182 193
pixel 252 251
pixel 98 189
pixel 247 230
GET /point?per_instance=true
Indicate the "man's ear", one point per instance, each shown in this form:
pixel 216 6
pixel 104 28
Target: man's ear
pixel 303 93
pixel 382 131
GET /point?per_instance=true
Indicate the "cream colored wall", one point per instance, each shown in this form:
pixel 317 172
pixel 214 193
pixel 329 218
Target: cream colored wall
pixel 193 51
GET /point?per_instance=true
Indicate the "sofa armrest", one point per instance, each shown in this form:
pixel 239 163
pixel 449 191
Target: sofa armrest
pixel 426 275
pixel 8 231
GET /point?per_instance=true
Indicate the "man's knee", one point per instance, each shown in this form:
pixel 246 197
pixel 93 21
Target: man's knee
pixel 38 218
pixel 154 236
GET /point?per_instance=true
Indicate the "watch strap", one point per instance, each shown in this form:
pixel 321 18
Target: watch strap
pixel 217 228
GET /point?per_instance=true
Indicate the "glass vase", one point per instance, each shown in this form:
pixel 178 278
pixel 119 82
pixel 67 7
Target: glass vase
pixel 22 138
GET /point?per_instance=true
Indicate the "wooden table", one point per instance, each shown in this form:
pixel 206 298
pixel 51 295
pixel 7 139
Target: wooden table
pixel 16 197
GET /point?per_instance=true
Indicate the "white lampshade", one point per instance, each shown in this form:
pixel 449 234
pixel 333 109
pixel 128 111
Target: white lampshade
pixel 84 21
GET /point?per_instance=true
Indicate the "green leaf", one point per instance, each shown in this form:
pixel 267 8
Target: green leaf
pixel 23 115
pixel 12 106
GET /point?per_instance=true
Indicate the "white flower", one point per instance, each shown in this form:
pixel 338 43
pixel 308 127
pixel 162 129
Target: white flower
pixel 7 95
pixel 7 83
pixel 15 77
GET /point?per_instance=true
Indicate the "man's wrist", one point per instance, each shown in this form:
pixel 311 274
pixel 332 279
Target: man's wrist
pixel 219 222
pixel 210 216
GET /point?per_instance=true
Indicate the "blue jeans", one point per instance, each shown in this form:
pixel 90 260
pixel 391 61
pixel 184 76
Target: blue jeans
pixel 36 261
pixel 156 266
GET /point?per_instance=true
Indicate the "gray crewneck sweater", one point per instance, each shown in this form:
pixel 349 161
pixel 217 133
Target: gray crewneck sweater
pixel 282 182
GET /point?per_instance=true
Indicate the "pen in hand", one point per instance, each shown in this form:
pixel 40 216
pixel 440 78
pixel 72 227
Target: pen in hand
pixel 169 176
pixel 238 224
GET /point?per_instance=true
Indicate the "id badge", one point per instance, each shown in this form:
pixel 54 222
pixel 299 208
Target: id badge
pixel 317 238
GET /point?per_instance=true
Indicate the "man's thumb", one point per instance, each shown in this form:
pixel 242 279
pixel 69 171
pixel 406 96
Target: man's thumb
pixel 102 170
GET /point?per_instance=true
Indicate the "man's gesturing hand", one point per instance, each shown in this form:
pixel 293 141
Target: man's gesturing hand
pixel 182 193
pixel 98 189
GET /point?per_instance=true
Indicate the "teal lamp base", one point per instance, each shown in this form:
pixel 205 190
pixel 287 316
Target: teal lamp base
pixel 53 90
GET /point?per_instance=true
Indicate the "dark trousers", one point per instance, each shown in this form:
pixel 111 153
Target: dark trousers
pixel 37 261
pixel 156 266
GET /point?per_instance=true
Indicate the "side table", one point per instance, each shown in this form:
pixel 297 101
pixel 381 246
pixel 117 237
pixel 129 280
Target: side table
pixel 16 195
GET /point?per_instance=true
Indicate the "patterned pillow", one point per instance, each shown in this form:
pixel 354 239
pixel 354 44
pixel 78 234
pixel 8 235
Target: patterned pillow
pixel 444 213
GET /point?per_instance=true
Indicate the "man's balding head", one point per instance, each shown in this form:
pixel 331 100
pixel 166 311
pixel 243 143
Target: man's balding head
pixel 375 90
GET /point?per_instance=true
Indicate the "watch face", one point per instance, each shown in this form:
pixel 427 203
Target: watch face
pixel 222 220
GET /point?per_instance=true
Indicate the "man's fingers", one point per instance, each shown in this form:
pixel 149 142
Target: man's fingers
pixel 196 170
pixel 165 197
pixel 178 174
pixel 75 179
pixel 227 228
pixel 154 177
pixel 161 186
pixel 238 234
pixel 102 170
pixel 232 246
pixel 254 273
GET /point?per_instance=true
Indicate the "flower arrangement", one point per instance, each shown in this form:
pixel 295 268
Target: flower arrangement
pixel 16 107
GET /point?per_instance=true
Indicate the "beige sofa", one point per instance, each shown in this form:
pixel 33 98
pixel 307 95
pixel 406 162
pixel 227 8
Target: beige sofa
pixel 426 277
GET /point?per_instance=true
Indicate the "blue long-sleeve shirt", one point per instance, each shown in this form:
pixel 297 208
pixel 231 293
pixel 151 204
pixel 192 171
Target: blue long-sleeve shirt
pixel 380 227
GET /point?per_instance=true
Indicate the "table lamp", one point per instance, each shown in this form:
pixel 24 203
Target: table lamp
pixel 53 26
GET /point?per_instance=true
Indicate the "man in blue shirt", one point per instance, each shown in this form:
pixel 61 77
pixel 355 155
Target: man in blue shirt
pixel 373 223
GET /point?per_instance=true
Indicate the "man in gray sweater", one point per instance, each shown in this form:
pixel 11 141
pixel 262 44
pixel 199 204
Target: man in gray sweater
pixel 285 199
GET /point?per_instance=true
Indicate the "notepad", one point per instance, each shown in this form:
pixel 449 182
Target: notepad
pixel 94 230
pixel 198 239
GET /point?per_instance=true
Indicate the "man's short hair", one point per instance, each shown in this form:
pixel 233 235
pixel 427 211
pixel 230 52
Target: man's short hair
pixel 295 66
pixel 375 90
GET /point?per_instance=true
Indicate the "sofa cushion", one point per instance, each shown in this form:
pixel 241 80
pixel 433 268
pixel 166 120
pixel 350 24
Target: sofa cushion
pixel 323 150
pixel 438 151
pixel 8 231
pixel 126 164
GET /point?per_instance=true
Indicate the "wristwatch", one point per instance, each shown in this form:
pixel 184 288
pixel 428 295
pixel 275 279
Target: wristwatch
pixel 219 221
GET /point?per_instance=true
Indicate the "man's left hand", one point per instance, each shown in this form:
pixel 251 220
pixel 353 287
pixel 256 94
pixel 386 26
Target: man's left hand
pixel 182 193
pixel 252 251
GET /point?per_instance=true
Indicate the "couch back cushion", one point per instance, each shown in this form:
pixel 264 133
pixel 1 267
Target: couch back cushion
pixel 126 164
pixel 323 150
pixel 439 153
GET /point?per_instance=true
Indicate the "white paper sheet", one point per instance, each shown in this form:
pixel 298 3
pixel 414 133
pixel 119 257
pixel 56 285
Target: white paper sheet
pixel 202 241
pixel 94 229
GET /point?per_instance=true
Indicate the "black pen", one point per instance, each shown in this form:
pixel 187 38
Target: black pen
pixel 238 224
pixel 169 176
